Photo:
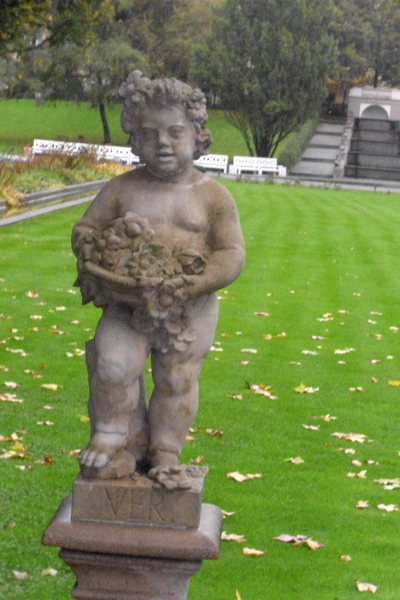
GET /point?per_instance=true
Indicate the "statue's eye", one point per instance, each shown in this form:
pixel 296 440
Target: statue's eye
pixel 176 132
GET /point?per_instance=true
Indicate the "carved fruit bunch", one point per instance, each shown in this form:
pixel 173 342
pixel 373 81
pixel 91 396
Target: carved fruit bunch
pixel 126 253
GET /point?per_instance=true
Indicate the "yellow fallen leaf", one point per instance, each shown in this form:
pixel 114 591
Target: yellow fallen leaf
pixel 50 386
pixel 313 544
pixel 83 418
pixel 232 537
pixel 227 514
pixel 295 461
pixel 394 383
pixel 36 317
pixel 366 587
pixel 362 504
pixel 49 572
pixel 388 507
pixel 238 596
pixel 252 552
pixel 74 452
pixel 239 477
pixel 345 558
pixel 11 384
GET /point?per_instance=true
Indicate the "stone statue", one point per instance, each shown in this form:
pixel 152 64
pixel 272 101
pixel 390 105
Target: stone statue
pixel 152 250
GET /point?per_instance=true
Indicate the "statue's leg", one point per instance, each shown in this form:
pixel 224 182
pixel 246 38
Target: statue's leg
pixel 120 356
pixel 173 404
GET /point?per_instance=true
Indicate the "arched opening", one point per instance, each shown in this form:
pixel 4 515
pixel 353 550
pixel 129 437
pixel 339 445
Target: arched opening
pixel 375 112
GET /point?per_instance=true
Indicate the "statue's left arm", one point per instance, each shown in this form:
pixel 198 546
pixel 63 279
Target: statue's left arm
pixel 225 243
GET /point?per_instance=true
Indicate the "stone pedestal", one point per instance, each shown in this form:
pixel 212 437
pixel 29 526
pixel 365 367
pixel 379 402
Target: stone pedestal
pixel 131 540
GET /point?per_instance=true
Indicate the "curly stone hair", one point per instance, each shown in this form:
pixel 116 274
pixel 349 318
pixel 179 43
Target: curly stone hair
pixel 140 92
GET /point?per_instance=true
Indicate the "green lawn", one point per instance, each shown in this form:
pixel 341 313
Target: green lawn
pixel 21 121
pixel 323 264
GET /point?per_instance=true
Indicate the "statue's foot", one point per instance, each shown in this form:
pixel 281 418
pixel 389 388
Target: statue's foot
pixel 101 449
pixel 122 465
pixel 162 458
pixel 171 478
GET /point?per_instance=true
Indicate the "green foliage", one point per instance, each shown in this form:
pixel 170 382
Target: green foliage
pixel 18 19
pixel 268 64
pixel 297 143
pixel 309 252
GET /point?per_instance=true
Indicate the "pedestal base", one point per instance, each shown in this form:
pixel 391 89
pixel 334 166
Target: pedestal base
pixel 115 561
pixel 110 577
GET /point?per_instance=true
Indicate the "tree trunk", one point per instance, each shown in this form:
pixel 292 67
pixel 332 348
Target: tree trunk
pixel 106 129
pixel 376 78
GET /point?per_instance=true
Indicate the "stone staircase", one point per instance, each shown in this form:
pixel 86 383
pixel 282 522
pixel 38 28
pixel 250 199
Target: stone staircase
pixel 318 159
pixel 375 150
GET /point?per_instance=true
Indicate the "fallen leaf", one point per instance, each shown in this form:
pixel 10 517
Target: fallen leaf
pixel 11 384
pixel 238 596
pixel 366 587
pixel 311 352
pixel 75 452
pixel 302 389
pixel 36 317
pixel 21 575
pixel 360 475
pixel 10 398
pixel 263 390
pixel 197 461
pixel 345 558
pixel 356 463
pixel 83 419
pixel 351 437
pixel 328 418
pixel 235 396
pixel 189 438
pixel 394 383
pixel 312 427
pixel 344 351
pixel 295 461
pixel 249 350
pixel 32 294
pixel 388 507
pixel 362 504
pixel 232 537
pixel 50 386
pixel 356 389
pixel 299 540
pixel 227 514
pixel 252 552
pixel 49 572
pixel 261 314
pixel 239 477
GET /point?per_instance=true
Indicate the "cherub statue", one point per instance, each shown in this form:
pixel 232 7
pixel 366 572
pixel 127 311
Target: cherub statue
pixel 152 249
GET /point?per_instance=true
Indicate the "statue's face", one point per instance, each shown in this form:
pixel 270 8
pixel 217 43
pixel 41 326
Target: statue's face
pixel 166 141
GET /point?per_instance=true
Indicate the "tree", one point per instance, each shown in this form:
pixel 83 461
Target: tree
pixel 188 25
pixel 268 62
pixel 18 19
pixel 93 70
pixel 381 27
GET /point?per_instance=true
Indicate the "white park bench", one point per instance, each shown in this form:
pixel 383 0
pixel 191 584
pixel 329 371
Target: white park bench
pixel 217 162
pixel 119 154
pixel 256 164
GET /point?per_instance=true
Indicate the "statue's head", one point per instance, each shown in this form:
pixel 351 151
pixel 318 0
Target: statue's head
pixel 141 93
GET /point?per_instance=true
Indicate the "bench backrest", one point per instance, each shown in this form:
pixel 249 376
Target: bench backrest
pixel 255 162
pixel 220 160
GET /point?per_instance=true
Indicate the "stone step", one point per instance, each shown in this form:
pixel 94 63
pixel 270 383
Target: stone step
pixel 377 148
pixel 325 140
pixel 374 160
pixel 330 128
pixel 310 169
pixel 319 154
pixel 372 173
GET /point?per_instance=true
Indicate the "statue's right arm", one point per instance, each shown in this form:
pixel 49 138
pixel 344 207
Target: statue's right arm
pixel 101 211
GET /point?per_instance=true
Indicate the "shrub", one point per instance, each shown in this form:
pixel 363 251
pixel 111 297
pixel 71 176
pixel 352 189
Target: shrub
pixel 290 156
